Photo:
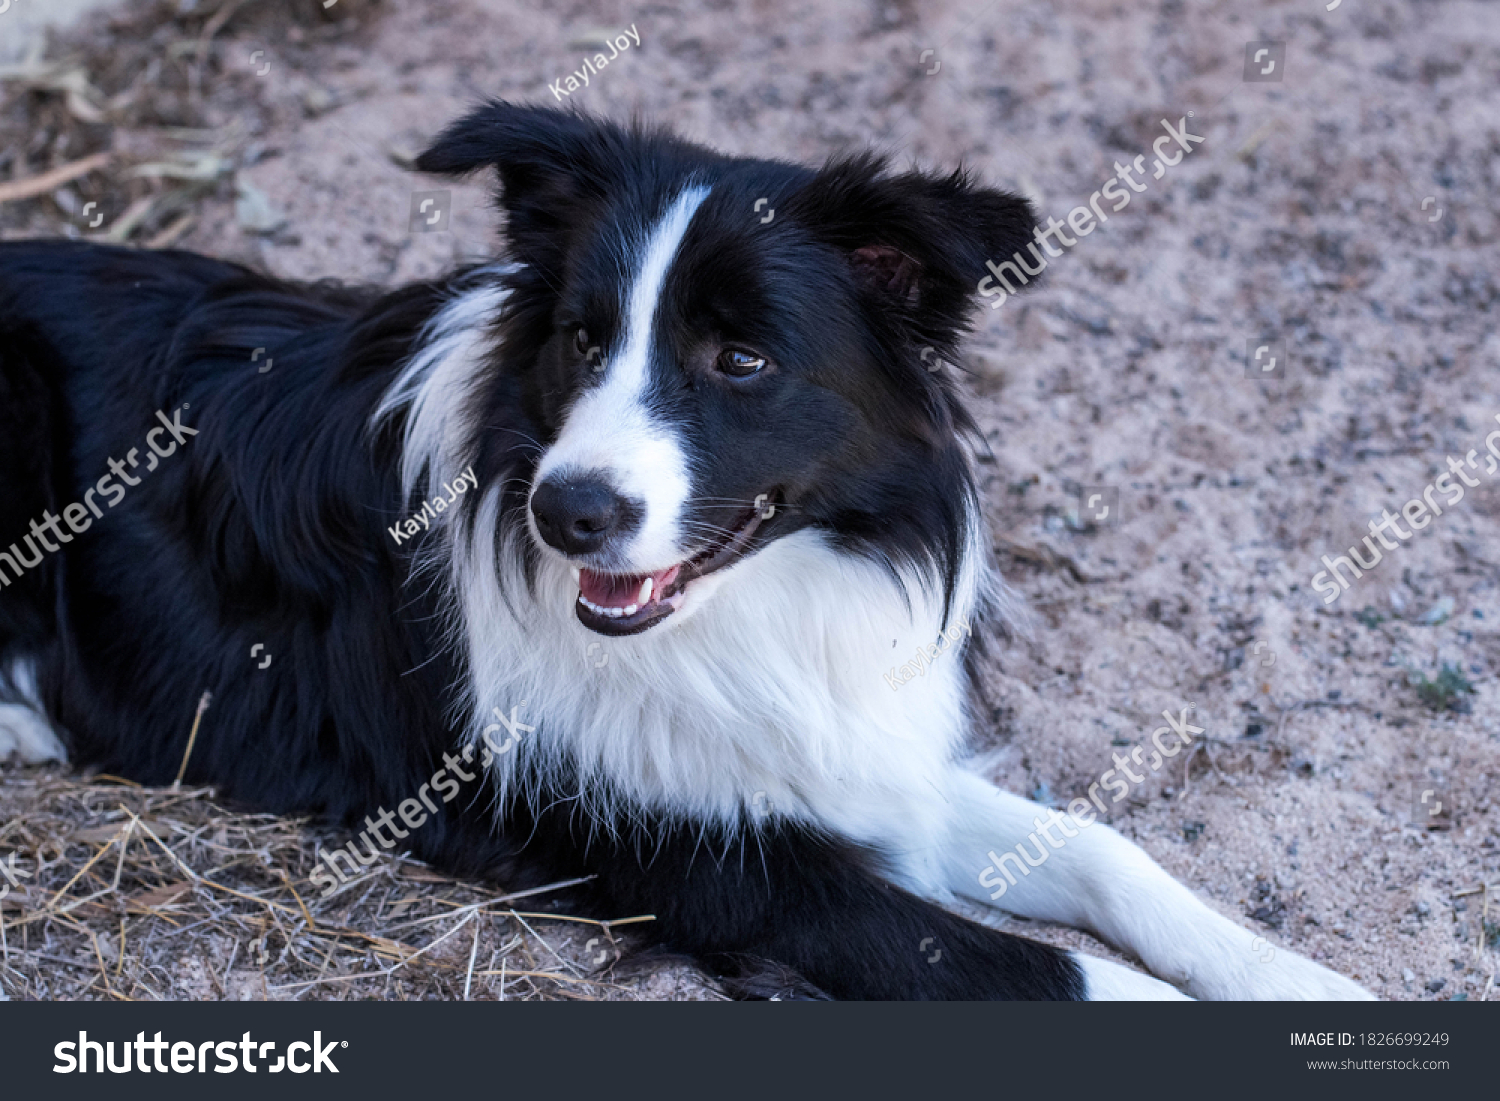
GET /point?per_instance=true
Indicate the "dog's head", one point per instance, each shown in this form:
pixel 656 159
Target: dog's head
pixel 722 351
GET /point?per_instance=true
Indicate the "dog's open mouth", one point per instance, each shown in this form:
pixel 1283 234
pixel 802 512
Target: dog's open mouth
pixel 627 604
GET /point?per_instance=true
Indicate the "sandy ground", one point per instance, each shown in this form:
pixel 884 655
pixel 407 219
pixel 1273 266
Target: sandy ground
pixel 26 23
pixel 1301 221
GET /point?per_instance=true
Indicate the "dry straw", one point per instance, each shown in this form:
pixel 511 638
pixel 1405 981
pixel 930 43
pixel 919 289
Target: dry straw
pixel 140 893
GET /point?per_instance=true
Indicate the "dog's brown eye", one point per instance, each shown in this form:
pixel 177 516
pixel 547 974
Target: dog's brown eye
pixel 581 341
pixel 740 364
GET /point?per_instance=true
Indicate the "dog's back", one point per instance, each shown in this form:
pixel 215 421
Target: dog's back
pixel 88 334
pixel 186 407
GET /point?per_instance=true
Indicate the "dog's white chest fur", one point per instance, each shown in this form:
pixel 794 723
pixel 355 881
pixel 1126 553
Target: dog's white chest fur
pixel 771 699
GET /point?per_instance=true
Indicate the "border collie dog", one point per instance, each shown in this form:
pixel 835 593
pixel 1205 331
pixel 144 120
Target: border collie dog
pixel 588 564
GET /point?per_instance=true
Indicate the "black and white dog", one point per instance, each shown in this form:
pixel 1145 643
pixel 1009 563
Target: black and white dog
pixel 591 564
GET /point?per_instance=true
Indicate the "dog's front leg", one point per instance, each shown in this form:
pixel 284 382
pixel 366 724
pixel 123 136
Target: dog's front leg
pixel 765 905
pixel 1020 856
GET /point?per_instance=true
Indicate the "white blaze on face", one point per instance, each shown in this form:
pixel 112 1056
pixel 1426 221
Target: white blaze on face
pixel 611 429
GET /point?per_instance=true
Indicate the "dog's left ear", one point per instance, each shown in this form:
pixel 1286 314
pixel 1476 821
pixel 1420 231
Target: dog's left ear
pixel 917 242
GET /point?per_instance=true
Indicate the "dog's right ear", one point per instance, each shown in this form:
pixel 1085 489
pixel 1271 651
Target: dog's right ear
pixel 548 161
pixel 528 145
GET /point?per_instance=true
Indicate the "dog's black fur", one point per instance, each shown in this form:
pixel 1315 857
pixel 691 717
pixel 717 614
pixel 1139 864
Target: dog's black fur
pixel 270 527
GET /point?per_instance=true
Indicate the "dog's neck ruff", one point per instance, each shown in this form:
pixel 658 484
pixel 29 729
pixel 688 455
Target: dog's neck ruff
pixel 772 699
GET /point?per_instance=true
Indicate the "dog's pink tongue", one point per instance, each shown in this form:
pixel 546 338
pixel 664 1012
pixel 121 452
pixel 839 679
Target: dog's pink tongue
pixel 614 590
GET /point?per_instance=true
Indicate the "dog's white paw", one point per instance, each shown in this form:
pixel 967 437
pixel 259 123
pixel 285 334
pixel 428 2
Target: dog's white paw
pixel 27 736
pixel 1291 978
pixel 1252 969
pixel 1107 981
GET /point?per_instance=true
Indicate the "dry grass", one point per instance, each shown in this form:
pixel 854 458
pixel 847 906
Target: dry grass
pixel 134 893
pixel 121 114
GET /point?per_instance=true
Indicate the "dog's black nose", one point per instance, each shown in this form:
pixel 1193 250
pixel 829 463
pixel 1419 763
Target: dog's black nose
pixel 579 515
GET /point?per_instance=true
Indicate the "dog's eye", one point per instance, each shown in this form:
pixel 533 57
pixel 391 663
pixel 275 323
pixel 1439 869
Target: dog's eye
pixel 581 341
pixel 740 364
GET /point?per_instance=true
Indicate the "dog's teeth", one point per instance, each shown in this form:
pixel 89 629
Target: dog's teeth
pixel 612 613
pixel 646 588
